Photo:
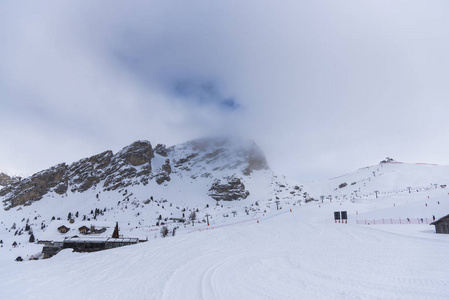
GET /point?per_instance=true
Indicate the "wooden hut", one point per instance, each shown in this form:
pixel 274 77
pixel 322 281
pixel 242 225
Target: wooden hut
pixel 83 229
pixel 63 229
pixel 442 225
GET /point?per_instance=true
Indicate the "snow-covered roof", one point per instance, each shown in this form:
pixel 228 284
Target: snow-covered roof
pixel 440 219
pixel 100 240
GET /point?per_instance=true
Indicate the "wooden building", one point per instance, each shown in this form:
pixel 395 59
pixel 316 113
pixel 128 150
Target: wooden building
pixel 86 244
pixel 442 225
pixel 63 229
pixel 179 220
pixel 49 251
pixel 97 243
pixel 83 229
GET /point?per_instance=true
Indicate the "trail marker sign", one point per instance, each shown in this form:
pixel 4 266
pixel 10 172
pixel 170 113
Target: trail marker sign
pixel 337 216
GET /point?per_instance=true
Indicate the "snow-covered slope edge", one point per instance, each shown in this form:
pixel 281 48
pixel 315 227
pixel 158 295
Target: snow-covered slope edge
pixel 385 178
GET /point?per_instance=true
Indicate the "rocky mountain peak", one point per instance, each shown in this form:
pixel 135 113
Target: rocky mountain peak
pixel 222 162
pixel 136 154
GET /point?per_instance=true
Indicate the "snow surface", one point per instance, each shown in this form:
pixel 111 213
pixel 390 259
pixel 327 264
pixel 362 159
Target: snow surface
pixel 296 252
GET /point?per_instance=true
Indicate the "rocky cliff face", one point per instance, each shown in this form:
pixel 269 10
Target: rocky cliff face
pixel 228 189
pixel 223 162
pixel 112 171
pixel 5 179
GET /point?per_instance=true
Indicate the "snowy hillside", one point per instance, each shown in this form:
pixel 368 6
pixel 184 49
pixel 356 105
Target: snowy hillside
pixel 385 178
pixel 254 248
pixel 292 255
pixel 142 188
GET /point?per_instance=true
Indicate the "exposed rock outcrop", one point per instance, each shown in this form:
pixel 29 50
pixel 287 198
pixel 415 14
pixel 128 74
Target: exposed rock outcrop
pixel 164 175
pixel 256 160
pixel 228 189
pixel 6 179
pixel 161 150
pixel 30 189
pixel 115 170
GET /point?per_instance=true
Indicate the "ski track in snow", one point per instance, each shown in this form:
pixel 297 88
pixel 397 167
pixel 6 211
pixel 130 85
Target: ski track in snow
pixel 301 254
pixel 269 260
pixel 324 271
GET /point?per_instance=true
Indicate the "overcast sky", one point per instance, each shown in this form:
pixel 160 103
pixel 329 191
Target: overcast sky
pixel 323 87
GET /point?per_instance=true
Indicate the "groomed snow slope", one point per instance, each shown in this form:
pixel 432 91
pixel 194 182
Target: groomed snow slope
pixel 287 255
pixel 386 178
pixel 297 254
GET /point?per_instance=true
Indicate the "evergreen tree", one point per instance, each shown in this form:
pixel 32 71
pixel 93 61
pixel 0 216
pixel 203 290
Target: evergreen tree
pixel 115 234
pixel 31 238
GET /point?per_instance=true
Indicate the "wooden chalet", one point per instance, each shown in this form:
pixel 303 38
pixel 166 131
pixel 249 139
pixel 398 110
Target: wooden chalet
pixel 83 229
pixel 442 225
pixel 87 243
pixel 63 229
pixel 180 220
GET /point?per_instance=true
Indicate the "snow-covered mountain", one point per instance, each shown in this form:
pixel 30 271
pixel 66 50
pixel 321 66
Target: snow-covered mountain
pixel 143 187
pixel 386 178
pixel 209 169
pixel 254 248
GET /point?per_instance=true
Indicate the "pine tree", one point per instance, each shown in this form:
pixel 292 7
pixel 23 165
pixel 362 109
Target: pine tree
pixel 115 234
pixel 31 238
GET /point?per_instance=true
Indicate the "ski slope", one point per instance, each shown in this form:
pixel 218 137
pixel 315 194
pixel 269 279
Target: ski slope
pixel 294 255
pixel 296 252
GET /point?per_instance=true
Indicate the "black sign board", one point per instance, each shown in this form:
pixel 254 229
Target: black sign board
pixel 344 215
pixel 336 215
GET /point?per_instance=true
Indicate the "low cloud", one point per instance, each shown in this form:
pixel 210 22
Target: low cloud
pixel 323 88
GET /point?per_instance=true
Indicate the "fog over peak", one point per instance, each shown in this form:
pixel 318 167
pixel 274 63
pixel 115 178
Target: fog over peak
pixel 322 87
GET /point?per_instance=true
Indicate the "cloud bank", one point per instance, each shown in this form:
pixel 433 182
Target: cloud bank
pixel 323 87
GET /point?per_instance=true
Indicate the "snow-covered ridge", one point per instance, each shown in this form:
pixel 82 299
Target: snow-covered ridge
pixel 139 164
pixel 385 178
pixel 268 245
